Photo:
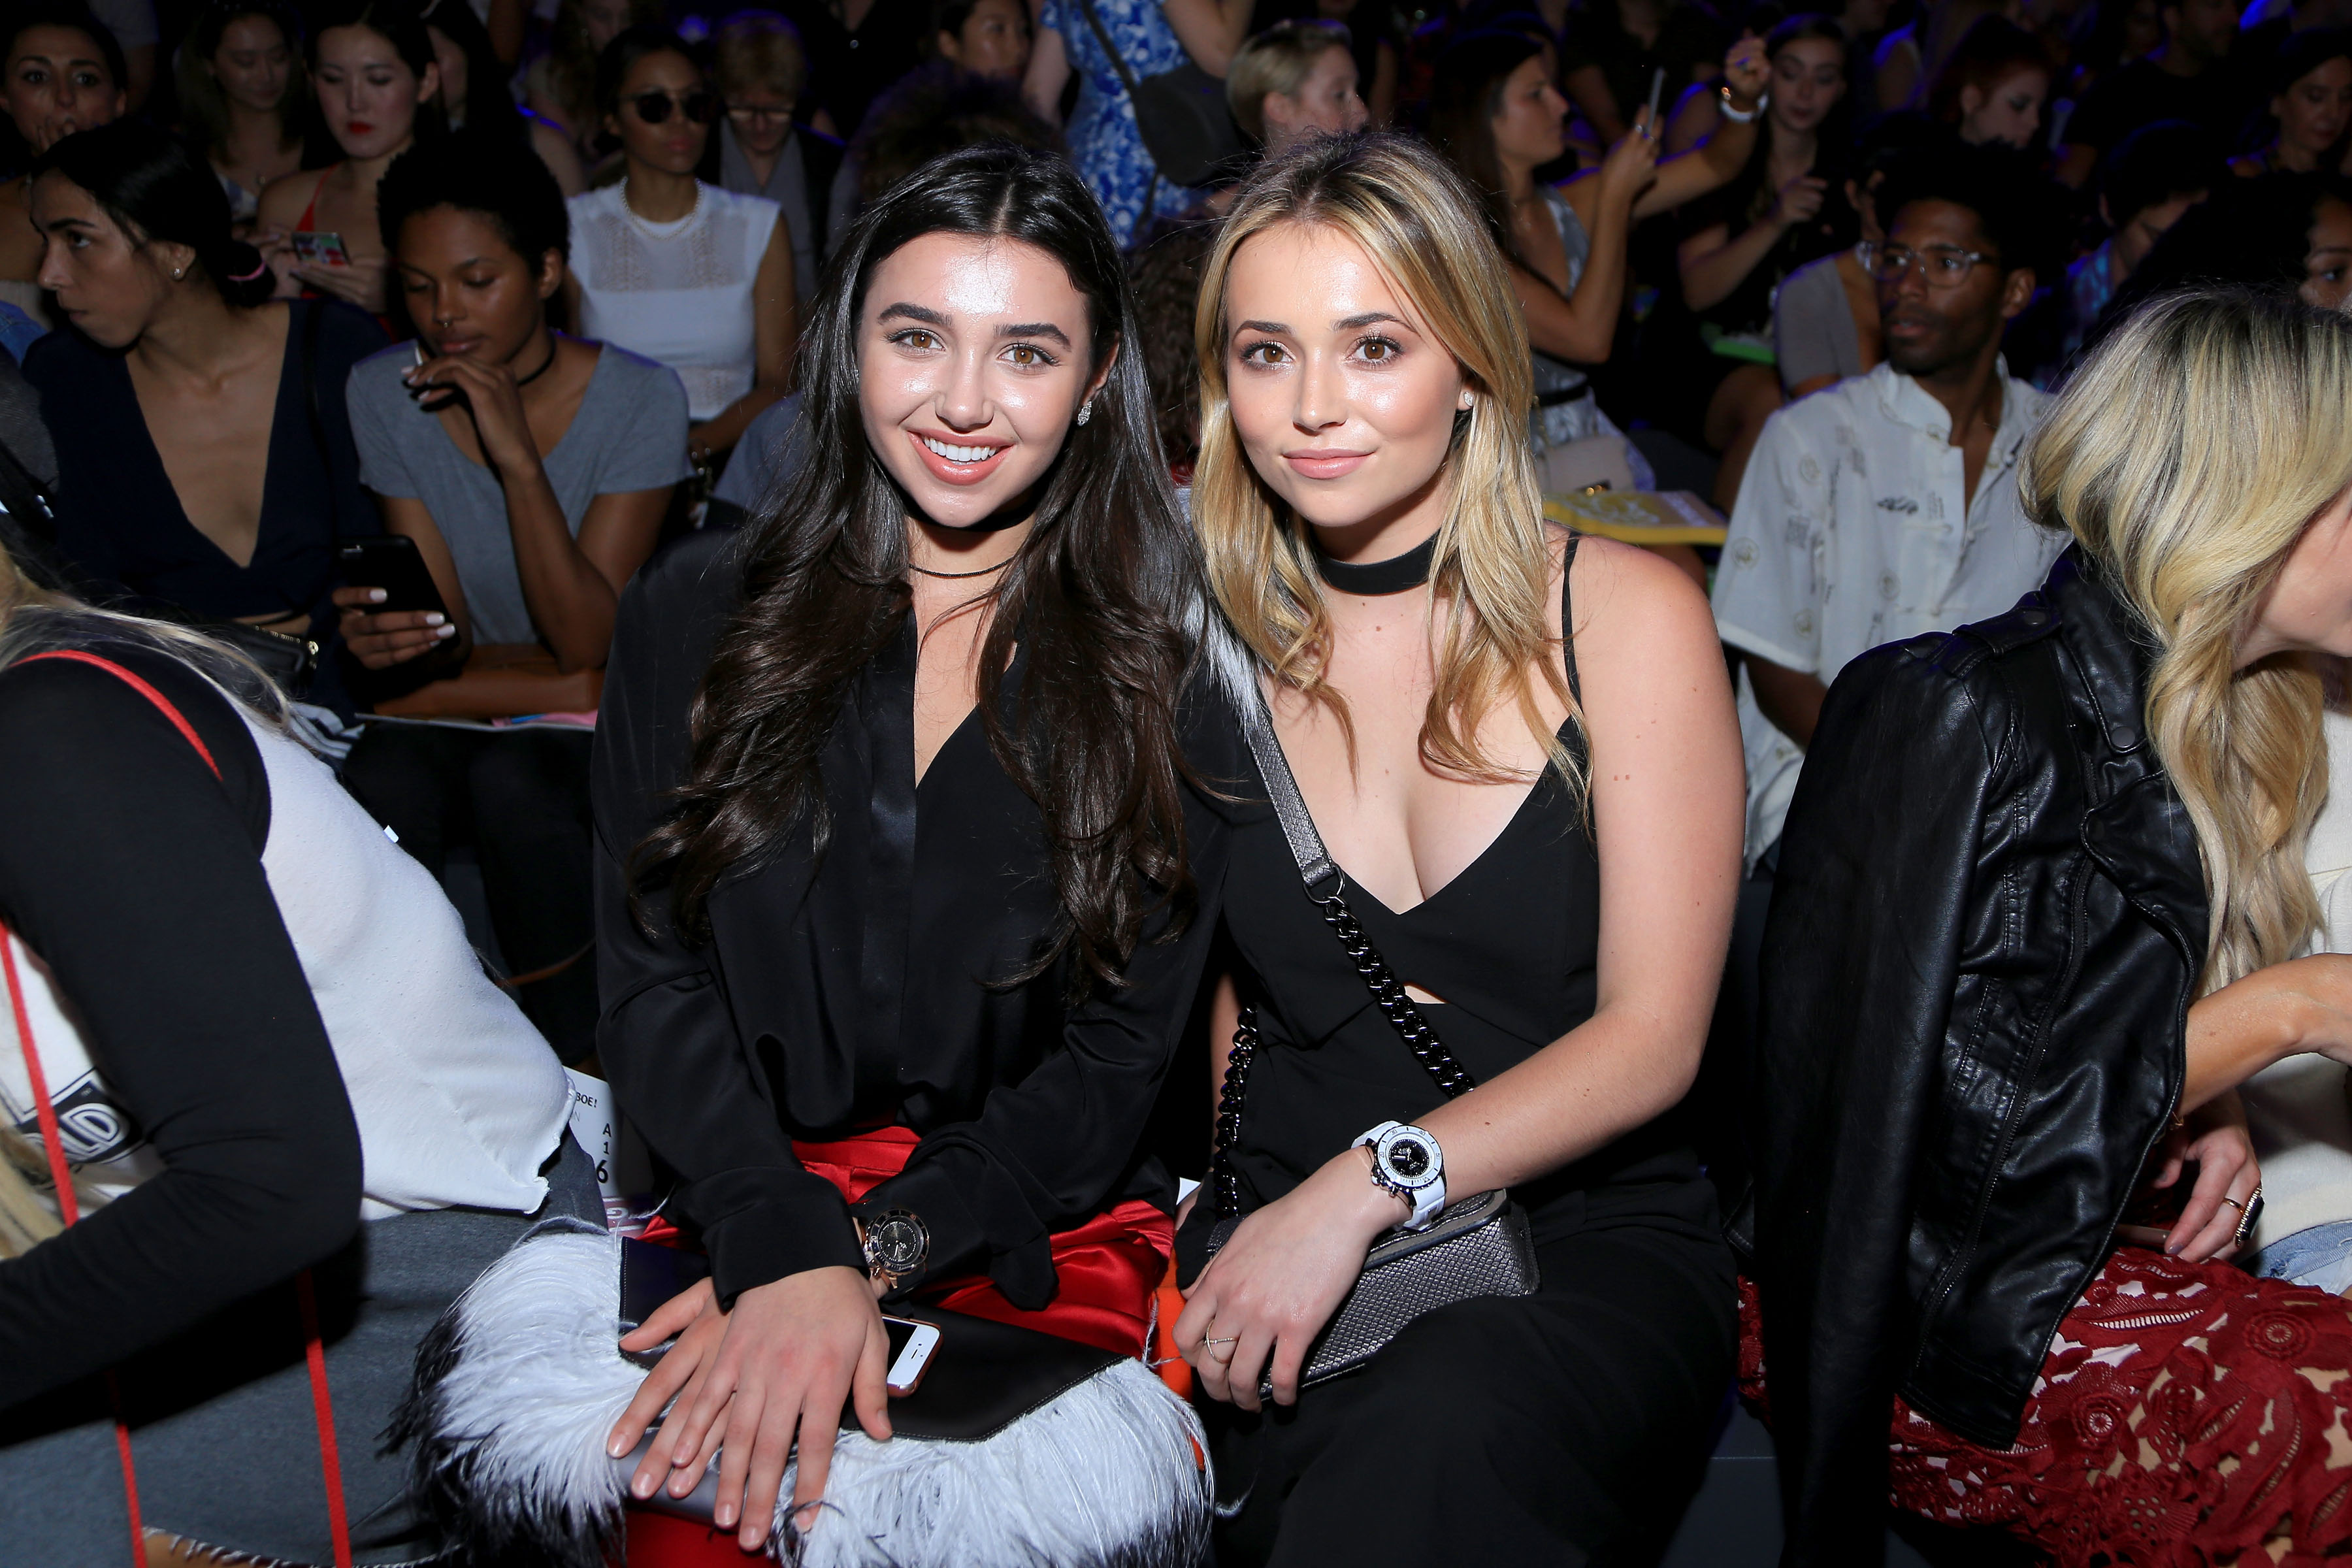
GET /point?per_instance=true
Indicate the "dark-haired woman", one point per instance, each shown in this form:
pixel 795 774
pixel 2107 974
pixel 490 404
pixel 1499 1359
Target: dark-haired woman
pixel 698 278
pixel 60 71
pixel 245 94
pixel 1995 85
pixel 1787 207
pixel 1496 117
pixel 281 1075
pixel 474 93
pixel 934 894
pixel 374 67
pixel 2310 106
pixel 533 469
pixel 205 463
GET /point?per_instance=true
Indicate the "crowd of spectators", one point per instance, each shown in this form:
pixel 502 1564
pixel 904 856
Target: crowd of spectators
pixel 714 159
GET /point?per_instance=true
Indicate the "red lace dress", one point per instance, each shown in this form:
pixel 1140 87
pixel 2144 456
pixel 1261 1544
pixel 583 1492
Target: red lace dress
pixel 2186 1411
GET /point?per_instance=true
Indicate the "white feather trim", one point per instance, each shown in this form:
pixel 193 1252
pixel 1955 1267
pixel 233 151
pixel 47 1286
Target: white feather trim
pixel 522 1380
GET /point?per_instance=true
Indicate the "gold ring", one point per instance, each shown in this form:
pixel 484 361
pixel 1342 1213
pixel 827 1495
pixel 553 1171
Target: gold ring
pixel 2235 1203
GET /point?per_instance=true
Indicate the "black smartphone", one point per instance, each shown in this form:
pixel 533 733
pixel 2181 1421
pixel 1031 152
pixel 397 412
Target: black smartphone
pixel 392 565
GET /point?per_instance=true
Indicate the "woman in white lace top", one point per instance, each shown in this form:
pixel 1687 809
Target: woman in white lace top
pixel 697 278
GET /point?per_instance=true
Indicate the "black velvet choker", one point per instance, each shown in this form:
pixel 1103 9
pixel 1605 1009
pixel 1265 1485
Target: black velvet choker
pixel 1373 578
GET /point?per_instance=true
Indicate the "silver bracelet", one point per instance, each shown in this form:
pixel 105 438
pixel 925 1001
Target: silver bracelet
pixel 1735 116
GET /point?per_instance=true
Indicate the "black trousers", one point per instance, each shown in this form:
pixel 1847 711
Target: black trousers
pixel 1565 1427
pixel 520 798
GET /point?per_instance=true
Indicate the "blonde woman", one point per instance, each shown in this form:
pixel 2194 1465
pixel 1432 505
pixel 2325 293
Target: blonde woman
pixel 2041 899
pixel 1521 755
pixel 1295 79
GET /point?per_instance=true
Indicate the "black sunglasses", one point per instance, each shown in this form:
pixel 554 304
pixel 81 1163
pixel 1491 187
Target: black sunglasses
pixel 701 106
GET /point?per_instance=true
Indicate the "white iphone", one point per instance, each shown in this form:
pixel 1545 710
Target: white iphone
pixel 911 1345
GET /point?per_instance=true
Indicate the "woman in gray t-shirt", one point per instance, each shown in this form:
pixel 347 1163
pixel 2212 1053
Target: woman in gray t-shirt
pixel 532 470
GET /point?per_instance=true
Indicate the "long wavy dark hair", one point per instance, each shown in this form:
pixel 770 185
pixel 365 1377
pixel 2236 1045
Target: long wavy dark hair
pixel 1098 597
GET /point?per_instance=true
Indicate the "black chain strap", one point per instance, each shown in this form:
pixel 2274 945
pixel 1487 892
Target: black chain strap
pixel 1229 1114
pixel 1387 993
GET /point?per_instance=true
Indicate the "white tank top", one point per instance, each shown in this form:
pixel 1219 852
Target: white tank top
pixel 678 292
pixel 458 1100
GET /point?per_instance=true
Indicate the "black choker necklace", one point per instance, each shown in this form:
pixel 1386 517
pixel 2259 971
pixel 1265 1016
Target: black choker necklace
pixel 1373 578
pixel 544 365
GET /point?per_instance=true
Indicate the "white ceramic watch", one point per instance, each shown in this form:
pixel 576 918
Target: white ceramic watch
pixel 1406 1160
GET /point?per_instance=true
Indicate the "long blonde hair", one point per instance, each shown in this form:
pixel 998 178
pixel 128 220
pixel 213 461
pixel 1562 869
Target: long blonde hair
pixel 2188 454
pixel 1490 579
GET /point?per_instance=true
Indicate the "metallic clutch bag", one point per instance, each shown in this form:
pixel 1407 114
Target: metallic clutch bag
pixel 1479 1247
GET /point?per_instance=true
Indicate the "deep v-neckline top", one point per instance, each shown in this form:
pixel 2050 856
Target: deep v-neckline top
pixel 1568 734
pixel 1359 893
pixel 144 450
pixel 1511 941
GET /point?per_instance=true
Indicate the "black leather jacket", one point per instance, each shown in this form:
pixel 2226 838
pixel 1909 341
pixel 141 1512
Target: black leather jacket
pixel 1987 924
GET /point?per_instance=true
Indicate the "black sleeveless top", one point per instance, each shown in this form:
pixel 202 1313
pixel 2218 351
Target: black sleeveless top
pixel 1511 944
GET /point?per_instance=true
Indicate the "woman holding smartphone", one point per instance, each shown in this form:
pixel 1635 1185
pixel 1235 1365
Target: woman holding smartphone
pixel 905 885
pixel 532 470
pixel 1478 709
pixel 373 66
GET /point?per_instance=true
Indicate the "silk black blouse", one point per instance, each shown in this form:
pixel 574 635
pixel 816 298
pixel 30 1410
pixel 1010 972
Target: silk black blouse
pixel 868 985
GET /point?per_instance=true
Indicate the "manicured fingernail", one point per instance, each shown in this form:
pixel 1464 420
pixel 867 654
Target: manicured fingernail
pixel 642 1487
pixel 377 595
pixel 723 1516
pixel 680 1483
pixel 445 631
pixel 433 617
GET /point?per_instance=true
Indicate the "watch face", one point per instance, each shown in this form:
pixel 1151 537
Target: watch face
pixel 900 1241
pixel 1409 1156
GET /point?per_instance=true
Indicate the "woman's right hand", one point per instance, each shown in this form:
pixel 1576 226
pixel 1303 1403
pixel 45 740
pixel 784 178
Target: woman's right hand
pixel 381 639
pixel 785 1359
pixel 1632 161
pixel 1798 201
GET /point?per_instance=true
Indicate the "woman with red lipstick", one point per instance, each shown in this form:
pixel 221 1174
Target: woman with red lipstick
pixel 534 471
pixel 1479 710
pixel 680 271
pixel 373 65
pixel 907 874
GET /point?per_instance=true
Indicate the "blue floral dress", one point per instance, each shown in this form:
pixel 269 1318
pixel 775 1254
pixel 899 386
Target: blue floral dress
pixel 1105 140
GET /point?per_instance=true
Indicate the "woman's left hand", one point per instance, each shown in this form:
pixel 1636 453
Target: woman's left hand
pixel 1275 1284
pixel 2216 1140
pixel 490 394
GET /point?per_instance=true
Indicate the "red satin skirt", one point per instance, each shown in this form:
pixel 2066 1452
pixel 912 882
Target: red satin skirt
pixel 2187 1414
pixel 1110 1270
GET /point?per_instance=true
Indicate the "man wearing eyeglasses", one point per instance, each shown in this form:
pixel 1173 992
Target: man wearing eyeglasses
pixel 1886 505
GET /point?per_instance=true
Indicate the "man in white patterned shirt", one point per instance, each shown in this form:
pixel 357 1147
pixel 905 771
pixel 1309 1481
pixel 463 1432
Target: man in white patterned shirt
pixel 1887 505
